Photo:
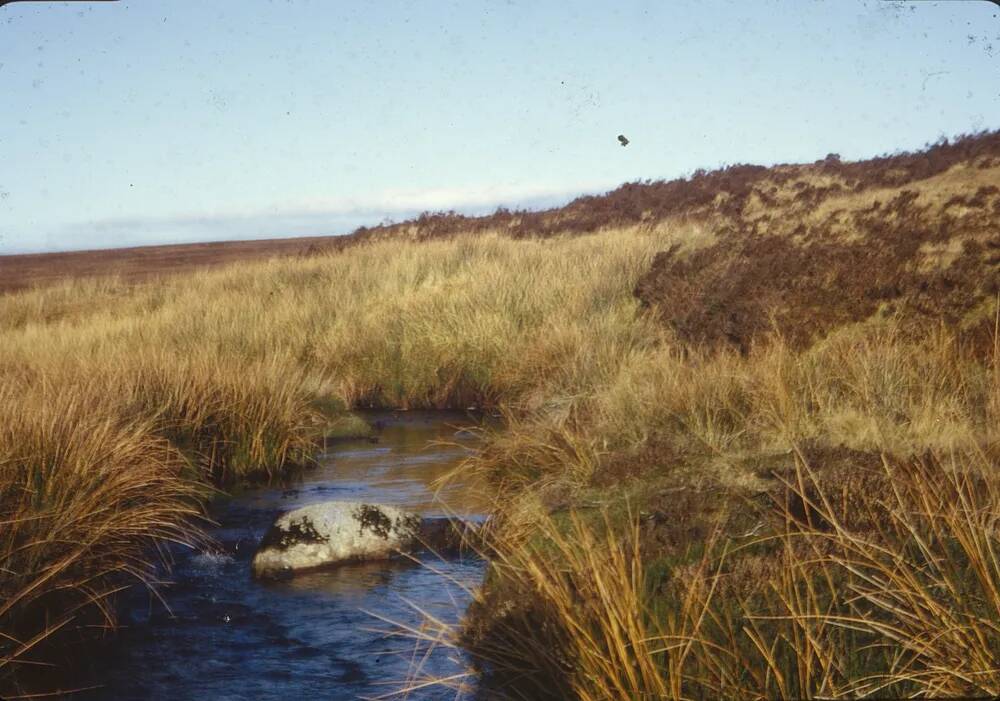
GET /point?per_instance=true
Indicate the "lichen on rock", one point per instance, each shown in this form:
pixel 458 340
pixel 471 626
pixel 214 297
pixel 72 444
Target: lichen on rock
pixel 300 531
pixel 334 532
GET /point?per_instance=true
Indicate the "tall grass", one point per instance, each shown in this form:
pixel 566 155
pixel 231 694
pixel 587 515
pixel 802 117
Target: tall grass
pixel 85 499
pixel 871 387
pixel 892 593
pixel 122 402
pixel 582 596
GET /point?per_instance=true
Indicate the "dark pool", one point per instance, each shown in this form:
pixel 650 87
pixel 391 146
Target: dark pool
pixel 313 637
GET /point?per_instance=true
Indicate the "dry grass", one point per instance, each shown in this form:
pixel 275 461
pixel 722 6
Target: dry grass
pixel 892 592
pixel 85 499
pixel 594 636
pixel 868 388
pixel 580 593
pixel 120 403
pixel 864 577
pixel 219 376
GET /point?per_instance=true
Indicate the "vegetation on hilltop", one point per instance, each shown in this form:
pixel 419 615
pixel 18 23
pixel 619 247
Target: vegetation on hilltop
pixel 727 197
pixel 803 266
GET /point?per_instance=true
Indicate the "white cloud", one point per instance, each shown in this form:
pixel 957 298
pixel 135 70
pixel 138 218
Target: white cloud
pixel 324 216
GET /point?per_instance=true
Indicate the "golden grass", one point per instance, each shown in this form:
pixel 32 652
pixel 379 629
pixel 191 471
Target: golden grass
pixel 581 596
pixel 85 499
pixel 868 387
pixel 891 593
pixel 216 376
pixel 119 400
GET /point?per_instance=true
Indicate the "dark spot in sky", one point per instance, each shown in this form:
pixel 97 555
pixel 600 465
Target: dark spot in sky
pixel 622 140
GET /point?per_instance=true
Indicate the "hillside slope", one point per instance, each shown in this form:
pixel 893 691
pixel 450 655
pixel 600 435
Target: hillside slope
pixel 810 248
pixel 826 198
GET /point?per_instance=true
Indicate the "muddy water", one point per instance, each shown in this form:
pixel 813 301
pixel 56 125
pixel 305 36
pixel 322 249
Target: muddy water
pixel 229 637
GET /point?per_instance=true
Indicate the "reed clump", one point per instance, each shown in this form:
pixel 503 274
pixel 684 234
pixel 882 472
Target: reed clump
pixel 893 592
pixel 86 499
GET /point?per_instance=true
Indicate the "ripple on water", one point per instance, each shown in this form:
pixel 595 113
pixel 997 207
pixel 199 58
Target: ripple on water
pixel 226 636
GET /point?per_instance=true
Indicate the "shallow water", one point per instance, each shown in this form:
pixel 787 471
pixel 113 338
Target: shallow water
pixel 227 636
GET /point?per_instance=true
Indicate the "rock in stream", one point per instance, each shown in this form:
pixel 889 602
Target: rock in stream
pixel 335 532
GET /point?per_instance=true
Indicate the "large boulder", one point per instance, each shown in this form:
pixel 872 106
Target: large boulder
pixel 336 532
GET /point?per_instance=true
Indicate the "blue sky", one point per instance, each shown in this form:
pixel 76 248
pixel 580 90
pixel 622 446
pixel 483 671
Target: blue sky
pixel 136 122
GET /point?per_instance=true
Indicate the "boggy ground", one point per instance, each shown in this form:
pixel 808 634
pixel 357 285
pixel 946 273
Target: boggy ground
pixel 728 484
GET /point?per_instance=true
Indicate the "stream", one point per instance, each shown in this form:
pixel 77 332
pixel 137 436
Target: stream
pixel 227 636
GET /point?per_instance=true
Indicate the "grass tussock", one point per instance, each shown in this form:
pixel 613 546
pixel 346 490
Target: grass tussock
pixel 85 499
pixel 890 592
pixel 582 593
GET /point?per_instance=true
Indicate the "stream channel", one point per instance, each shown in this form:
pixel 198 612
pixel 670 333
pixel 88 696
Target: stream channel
pixel 227 636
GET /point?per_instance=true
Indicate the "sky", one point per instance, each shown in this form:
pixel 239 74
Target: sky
pixel 144 122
